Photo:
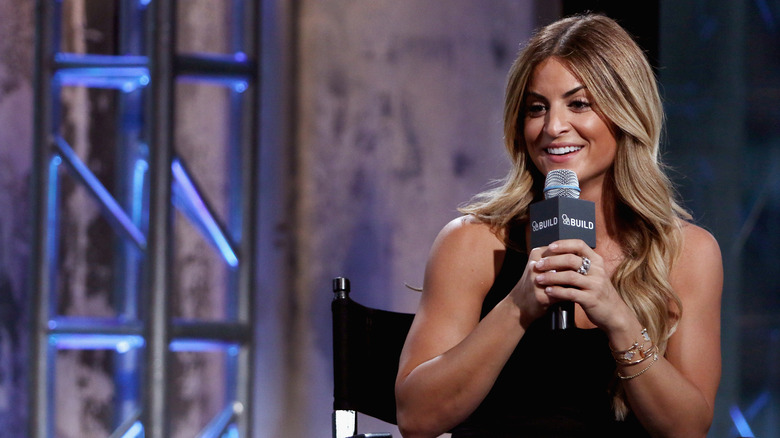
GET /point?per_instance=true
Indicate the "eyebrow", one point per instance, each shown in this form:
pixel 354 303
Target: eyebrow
pixel 565 95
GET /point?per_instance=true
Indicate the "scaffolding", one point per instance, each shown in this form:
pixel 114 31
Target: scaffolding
pixel 150 184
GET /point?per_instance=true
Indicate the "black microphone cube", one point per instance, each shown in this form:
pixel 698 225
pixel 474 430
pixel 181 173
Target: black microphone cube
pixel 563 218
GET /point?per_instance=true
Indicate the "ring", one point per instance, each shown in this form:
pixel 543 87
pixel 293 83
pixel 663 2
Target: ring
pixel 585 266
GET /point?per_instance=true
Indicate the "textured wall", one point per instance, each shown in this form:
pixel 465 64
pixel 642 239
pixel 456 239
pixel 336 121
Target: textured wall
pixel 16 42
pixel 399 122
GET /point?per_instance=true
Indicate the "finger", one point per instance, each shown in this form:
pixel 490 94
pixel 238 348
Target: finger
pixel 561 293
pixel 563 262
pixel 537 253
pixel 568 278
pixel 574 246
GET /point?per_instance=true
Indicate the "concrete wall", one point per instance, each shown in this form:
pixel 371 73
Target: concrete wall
pixel 16 94
pixel 399 111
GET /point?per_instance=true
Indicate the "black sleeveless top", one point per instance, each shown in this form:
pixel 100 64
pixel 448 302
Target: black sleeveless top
pixel 555 383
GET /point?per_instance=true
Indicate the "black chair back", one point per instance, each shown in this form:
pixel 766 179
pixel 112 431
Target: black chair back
pixel 367 345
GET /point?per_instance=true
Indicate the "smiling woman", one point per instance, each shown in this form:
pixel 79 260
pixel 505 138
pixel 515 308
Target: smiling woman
pixel 644 357
pixel 562 130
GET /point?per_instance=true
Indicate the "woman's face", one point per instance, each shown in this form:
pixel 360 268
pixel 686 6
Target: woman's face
pixel 562 131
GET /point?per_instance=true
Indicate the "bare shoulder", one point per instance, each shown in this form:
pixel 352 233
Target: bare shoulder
pixel 697 238
pixel 699 245
pixel 699 262
pixel 469 231
pixel 465 256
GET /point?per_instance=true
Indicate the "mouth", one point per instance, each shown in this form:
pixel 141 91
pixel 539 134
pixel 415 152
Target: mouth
pixel 562 150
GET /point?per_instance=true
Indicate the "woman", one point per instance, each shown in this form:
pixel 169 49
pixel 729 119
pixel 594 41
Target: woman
pixel 644 359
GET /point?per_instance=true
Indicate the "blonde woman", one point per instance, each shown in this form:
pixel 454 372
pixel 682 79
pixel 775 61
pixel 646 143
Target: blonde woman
pixel 644 359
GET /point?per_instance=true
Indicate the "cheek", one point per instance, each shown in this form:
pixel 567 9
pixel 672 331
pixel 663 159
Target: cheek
pixel 531 130
pixel 598 130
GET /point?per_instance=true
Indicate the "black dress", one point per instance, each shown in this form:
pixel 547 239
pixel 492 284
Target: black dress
pixel 555 384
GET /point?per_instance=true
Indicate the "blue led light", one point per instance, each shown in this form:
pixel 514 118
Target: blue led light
pixel 232 432
pixel 740 422
pixel 123 347
pixel 240 86
pixel 116 214
pixel 139 178
pixel 191 202
pixel 86 341
pixel 135 431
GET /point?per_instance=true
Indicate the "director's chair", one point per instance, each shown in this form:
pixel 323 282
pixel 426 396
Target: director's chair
pixel 367 345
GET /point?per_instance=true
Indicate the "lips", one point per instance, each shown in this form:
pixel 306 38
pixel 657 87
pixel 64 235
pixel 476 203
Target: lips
pixel 562 150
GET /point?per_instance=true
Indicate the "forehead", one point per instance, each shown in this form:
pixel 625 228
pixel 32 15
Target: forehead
pixel 552 75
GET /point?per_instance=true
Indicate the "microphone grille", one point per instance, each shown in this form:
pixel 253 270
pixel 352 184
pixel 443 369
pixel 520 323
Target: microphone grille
pixel 563 183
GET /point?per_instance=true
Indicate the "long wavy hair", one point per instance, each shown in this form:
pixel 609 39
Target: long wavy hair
pixel 647 218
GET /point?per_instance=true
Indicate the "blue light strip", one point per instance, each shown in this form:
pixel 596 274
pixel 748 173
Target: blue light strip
pixel 220 425
pixel 125 79
pixel 740 422
pixel 758 404
pixel 126 73
pixel 52 223
pixel 139 179
pixel 135 431
pixel 188 199
pixel 115 212
pixel 130 428
pixel 71 60
pixel 204 346
pixel 83 341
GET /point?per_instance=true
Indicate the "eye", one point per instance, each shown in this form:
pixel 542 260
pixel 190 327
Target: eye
pixel 579 105
pixel 535 109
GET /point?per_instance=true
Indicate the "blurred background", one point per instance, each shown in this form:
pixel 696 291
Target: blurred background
pixel 180 181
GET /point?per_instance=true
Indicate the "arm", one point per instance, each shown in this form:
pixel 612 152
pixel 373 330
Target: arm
pixel 451 359
pixel 678 398
pixel 675 396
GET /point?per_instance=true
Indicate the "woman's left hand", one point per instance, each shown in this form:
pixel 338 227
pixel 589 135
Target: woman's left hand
pixel 592 290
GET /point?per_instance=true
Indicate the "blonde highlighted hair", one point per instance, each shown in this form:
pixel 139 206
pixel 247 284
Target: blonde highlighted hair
pixel 604 57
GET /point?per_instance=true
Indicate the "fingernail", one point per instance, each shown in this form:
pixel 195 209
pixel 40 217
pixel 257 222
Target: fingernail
pixel 553 246
pixel 548 290
pixel 540 278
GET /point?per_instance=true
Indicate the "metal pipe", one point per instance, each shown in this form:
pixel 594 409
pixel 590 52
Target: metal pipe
pixel 39 424
pixel 159 256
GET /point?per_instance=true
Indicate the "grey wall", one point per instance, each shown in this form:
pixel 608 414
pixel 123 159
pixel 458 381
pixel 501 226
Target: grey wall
pixel 398 122
pixel 16 42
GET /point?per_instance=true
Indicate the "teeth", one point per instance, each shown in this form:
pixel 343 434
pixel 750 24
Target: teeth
pixel 563 150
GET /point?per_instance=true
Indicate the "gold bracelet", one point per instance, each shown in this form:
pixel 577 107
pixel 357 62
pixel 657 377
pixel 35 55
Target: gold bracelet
pixel 625 357
pixel 622 377
pixel 643 356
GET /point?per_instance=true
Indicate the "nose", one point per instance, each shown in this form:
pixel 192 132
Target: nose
pixel 556 122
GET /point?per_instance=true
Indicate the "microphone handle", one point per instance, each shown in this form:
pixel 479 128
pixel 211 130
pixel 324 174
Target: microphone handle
pixel 562 315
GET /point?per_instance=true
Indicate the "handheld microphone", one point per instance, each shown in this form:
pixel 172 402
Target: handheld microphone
pixel 562 215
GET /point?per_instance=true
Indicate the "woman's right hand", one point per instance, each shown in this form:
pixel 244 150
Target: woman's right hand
pixel 528 295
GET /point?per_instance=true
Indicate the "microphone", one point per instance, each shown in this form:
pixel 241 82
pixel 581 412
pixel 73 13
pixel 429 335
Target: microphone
pixel 562 215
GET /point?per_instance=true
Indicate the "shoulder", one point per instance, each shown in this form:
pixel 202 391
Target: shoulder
pixel 698 243
pixel 467 239
pixel 699 261
pixel 466 251
pixel 470 231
